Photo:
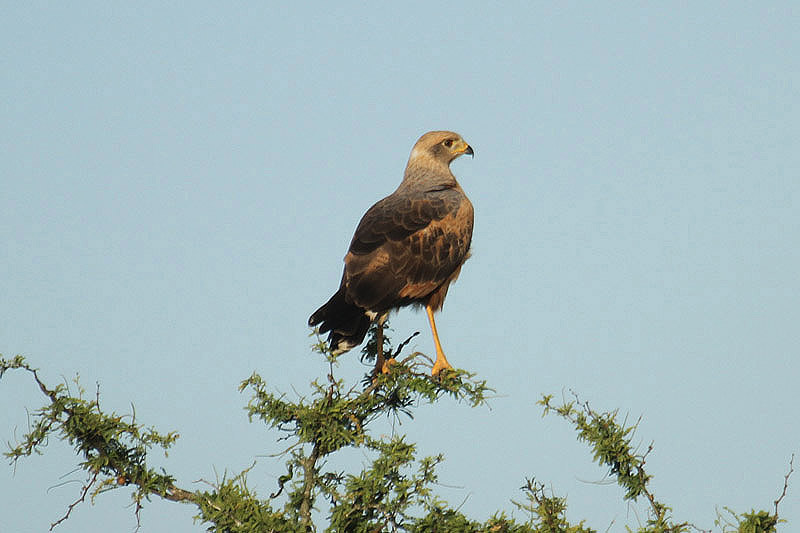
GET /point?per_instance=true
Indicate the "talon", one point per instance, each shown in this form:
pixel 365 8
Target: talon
pixel 383 368
pixel 386 366
pixel 439 365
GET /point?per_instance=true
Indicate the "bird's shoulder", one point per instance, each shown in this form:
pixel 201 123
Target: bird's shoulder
pixel 403 213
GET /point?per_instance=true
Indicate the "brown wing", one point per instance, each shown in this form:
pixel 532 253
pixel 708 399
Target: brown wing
pixel 406 247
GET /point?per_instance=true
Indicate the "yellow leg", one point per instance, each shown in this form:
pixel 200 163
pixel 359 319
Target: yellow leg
pixel 441 361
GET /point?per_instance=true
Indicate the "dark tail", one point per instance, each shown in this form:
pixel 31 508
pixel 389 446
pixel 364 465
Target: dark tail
pixel 347 323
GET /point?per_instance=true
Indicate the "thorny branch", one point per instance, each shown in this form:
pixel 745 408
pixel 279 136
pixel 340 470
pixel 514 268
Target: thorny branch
pixel 98 437
pixel 231 506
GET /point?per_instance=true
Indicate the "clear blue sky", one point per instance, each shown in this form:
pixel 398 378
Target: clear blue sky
pixel 178 187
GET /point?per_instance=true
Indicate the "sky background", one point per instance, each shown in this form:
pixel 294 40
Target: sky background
pixel 178 187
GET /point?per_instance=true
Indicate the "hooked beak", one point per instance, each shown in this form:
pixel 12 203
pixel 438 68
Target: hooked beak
pixel 464 148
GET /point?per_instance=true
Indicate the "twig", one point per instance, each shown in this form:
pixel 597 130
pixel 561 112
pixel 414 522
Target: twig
pixel 309 478
pixel 176 494
pixel 82 498
pixel 785 484
pixel 404 343
pixel 281 482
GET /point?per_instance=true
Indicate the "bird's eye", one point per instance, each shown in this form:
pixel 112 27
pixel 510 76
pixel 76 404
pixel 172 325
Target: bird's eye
pixel 448 143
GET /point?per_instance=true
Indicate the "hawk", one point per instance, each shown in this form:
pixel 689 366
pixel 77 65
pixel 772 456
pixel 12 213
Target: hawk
pixel 406 250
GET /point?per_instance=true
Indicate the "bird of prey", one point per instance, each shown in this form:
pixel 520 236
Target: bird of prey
pixel 406 250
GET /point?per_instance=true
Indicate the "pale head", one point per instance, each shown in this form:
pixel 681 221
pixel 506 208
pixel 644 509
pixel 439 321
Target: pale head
pixel 438 148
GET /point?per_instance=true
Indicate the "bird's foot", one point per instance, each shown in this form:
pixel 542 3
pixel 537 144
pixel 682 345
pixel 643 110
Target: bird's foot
pixel 383 366
pixel 386 366
pixel 439 365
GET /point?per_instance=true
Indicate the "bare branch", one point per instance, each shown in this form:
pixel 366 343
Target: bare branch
pixel 785 484
pixel 81 499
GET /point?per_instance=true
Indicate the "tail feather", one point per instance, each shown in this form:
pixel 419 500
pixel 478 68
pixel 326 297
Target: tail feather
pixel 346 322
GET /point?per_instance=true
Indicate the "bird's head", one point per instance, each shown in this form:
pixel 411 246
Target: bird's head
pixel 440 147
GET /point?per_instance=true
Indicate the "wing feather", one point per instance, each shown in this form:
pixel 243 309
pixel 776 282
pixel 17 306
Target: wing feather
pixel 406 247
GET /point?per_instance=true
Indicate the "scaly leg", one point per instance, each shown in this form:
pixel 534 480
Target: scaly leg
pixel 441 361
pixel 381 363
